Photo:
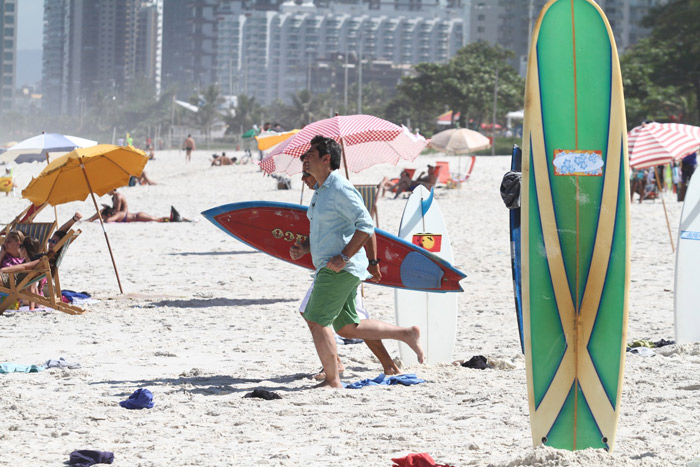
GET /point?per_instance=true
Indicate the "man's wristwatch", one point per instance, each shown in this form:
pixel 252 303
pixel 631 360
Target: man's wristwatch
pixel 374 262
pixel 345 257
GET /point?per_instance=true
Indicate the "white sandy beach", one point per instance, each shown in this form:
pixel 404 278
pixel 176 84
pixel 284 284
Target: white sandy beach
pixel 206 319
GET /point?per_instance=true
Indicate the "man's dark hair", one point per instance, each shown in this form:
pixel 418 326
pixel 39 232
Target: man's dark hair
pixel 327 146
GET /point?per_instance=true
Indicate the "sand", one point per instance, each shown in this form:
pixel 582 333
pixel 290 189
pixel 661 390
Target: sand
pixel 205 320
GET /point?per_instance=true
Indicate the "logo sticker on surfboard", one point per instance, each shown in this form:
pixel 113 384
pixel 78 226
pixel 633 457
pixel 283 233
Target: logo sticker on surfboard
pixel 690 235
pixel 581 163
pixel 429 241
pixel 289 236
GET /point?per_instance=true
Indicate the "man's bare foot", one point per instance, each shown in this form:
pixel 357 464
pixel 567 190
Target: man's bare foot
pixel 321 375
pixel 392 371
pixel 414 343
pixel 329 385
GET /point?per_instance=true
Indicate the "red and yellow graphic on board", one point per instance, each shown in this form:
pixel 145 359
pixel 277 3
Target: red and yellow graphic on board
pixel 428 241
pixel 5 184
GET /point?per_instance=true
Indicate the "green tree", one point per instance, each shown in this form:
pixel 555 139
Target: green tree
pixel 470 80
pixel 676 33
pixel 419 98
pixel 464 85
pixel 644 98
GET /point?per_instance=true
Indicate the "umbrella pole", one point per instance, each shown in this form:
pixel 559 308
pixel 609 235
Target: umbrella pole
pixel 55 211
pixel 663 201
pixel 99 215
pixel 345 161
pixel 301 199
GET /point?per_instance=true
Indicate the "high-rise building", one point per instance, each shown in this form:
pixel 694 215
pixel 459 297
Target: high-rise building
pixel 149 43
pixel 92 50
pixel 512 22
pixel 8 53
pixel 190 43
pixel 271 54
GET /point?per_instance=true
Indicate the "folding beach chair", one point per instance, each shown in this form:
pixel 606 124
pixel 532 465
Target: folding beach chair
pixel 370 194
pixel 19 283
pixel 23 217
pixel 443 168
pixel 40 230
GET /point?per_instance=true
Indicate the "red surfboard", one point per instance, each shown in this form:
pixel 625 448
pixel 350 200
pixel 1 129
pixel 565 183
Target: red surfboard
pixel 273 227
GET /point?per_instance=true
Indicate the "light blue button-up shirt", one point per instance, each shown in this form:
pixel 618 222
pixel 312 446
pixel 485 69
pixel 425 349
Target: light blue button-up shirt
pixel 336 212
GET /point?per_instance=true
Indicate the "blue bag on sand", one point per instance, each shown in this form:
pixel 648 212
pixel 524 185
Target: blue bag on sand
pixel 87 457
pixel 140 399
pixel 382 379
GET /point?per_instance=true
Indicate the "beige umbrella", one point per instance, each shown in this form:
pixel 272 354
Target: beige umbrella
pixel 459 141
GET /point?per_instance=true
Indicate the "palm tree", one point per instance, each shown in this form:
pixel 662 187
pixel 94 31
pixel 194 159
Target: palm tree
pixel 247 113
pixel 208 113
pixel 305 108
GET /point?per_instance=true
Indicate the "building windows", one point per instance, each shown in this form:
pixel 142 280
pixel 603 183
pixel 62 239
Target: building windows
pixel 10 7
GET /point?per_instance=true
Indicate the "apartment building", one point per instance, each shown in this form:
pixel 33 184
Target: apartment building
pixel 8 53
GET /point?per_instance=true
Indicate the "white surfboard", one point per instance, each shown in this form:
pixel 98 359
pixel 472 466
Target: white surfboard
pixel 434 313
pixel 687 293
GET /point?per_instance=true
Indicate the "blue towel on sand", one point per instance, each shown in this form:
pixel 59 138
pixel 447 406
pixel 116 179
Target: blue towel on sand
pixel 140 399
pixel 382 379
pixel 87 457
pixel 15 368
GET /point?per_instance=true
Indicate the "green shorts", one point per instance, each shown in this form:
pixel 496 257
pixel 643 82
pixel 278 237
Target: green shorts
pixel 333 299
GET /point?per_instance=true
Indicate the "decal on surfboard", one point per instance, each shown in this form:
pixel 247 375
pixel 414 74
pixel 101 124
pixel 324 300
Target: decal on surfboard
pixel 574 162
pixel 690 235
pixel 288 235
pixel 429 241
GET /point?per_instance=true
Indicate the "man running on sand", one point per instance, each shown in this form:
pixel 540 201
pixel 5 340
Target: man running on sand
pixel 376 346
pixel 340 225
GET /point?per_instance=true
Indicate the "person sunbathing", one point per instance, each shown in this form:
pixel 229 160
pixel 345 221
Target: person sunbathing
pixel 109 216
pixel 222 159
pixel 119 212
pixel 403 184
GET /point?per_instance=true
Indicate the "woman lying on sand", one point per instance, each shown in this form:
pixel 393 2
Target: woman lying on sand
pixel 119 212
pixel 108 215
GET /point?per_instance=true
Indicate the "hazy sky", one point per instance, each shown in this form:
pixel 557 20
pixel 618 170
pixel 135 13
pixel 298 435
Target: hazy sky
pixel 30 24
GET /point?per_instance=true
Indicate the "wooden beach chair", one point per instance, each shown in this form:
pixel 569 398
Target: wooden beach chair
pixel 40 230
pixel 370 194
pixel 24 217
pixel 18 287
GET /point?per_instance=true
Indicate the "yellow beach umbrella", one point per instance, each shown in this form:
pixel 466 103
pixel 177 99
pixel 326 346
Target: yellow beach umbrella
pixel 87 171
pixel 269 139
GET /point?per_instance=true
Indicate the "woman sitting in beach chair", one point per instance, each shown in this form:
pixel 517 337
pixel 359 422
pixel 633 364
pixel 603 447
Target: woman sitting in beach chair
pixel 30 252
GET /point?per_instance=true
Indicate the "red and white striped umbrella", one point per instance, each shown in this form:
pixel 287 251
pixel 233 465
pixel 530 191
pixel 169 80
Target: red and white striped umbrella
pixel 366 141
pixel 654 143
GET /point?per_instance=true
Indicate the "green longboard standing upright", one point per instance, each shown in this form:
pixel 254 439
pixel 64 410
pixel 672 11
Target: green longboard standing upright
pixel 575 228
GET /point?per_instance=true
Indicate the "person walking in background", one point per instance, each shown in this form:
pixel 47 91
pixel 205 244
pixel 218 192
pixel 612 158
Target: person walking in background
pixel 189 146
